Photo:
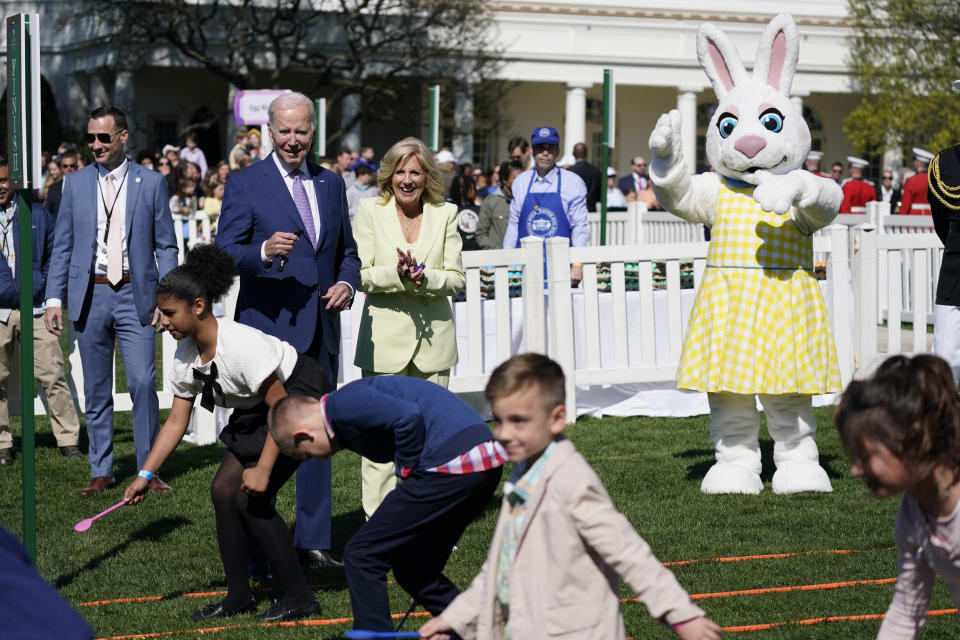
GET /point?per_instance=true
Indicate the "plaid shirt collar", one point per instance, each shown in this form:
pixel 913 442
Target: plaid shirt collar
pixel 525 476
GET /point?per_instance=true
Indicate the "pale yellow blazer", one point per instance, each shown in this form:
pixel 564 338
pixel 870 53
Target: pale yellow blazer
pixel 574 546
pixel 403 323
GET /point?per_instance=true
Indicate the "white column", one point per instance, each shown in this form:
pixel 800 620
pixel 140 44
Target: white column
pixel 575 123
pixel 99 96
pixel 348 109
pixel 463 120
pixel 78 100
pixel 125 99
pixel 687 105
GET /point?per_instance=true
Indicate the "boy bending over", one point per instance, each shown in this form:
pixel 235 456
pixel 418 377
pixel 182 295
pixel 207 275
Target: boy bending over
pixel 559 544
pixel 450 465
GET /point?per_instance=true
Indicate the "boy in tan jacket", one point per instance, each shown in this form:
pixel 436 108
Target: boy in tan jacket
pixel 559 544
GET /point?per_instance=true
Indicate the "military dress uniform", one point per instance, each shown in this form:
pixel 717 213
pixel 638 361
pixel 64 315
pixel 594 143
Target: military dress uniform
pixel 944 192
pixel 857 192
pixel 914 200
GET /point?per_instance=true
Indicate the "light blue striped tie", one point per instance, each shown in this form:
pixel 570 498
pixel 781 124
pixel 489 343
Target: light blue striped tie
pixel 303 206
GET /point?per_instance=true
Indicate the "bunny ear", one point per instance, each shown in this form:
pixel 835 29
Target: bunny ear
pixel 777 53
pixel 719 59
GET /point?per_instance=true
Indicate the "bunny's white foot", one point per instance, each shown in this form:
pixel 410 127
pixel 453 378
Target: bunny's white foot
pixel 799 476
pixel 731 478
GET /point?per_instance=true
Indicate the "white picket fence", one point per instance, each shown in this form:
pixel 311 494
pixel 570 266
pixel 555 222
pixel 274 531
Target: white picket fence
pixel 617 337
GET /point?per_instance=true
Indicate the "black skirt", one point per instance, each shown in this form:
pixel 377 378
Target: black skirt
pixel 246 431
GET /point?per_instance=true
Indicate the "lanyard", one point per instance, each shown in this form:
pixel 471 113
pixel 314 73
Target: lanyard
pixel 5 223
pixel 109 212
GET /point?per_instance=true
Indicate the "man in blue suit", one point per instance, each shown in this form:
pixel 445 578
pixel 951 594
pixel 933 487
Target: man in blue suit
pixel 114 239
pixel 285 222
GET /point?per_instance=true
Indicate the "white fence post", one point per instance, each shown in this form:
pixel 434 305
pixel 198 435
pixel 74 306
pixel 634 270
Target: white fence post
pixel 865 286
pixel 534 307
pixel 561 316
pixel 838 277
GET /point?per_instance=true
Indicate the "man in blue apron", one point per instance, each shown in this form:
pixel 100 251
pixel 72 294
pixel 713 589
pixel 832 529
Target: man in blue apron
pixel 548 201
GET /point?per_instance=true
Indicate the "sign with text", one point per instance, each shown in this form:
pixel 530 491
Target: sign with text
pixel 23 100
pixel 250 106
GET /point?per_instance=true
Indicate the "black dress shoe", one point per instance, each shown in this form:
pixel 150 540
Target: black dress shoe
pixel 6 457
pixel 216 610
pixel 277 611
pixel 318 558
pixel 72 452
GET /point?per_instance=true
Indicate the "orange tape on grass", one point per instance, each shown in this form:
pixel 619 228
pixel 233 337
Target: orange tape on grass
pixel 197 594
pixel 803 587
pixel 291 623
pixel 813 621
pixel 770 556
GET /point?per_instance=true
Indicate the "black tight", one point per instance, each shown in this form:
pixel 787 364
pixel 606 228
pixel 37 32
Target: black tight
pixel 239 515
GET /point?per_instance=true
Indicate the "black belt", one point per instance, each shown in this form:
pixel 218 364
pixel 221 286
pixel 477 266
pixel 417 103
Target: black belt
pixel 124 279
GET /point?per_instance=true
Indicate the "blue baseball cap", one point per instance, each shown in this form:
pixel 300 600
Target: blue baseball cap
pixel 544 134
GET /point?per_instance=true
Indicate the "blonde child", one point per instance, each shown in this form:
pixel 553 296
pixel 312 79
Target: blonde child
pixel 902 430
pixel 560 544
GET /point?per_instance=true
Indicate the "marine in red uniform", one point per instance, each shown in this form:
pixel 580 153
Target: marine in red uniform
pixel 812 164
pixel 914 200
pixel 857 192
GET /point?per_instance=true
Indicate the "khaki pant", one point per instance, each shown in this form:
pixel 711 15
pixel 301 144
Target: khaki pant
pixel 377 479
pixel 49 370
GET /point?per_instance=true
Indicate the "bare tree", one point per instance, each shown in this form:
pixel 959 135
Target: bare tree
pixel 380 50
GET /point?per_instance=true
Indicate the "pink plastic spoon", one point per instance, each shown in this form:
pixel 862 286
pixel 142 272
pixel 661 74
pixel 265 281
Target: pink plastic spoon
pixel 83 525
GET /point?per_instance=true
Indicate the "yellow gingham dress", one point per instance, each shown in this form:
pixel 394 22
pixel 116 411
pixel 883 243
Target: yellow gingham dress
pixel 759 323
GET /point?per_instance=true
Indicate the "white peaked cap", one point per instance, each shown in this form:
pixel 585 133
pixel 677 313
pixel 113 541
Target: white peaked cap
pixel 854 161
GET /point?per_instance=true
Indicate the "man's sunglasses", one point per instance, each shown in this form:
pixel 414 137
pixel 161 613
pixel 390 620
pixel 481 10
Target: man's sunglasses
pixel 104 138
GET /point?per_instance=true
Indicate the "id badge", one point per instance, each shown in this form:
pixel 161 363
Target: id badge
pixel 101 256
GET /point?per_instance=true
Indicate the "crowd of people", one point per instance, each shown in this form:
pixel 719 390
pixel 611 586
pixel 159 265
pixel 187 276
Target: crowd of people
pixel 902 192
pixel 304 238
pixel 108 264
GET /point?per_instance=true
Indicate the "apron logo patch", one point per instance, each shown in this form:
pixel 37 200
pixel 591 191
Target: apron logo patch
pixel 543 223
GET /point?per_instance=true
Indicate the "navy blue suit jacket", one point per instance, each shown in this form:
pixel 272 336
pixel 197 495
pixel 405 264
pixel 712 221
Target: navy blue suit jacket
pixel 151 241
pixel 626 184
pixel 42 223
pixel 31 608
pixel 287 303
pixel 415 423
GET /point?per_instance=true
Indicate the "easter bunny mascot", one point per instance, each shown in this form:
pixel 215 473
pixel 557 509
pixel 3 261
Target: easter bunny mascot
pixel 759 324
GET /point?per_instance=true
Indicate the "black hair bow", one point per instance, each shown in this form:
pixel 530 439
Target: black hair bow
pixel 210 386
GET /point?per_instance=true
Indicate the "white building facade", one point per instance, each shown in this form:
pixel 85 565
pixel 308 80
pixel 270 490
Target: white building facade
pixel 554 55
pixel 556 52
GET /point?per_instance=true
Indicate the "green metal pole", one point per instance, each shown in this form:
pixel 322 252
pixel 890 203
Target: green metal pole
pixel 25 273
pixel 605 157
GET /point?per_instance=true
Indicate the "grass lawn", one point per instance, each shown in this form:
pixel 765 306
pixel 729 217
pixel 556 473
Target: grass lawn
pixel 164 550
